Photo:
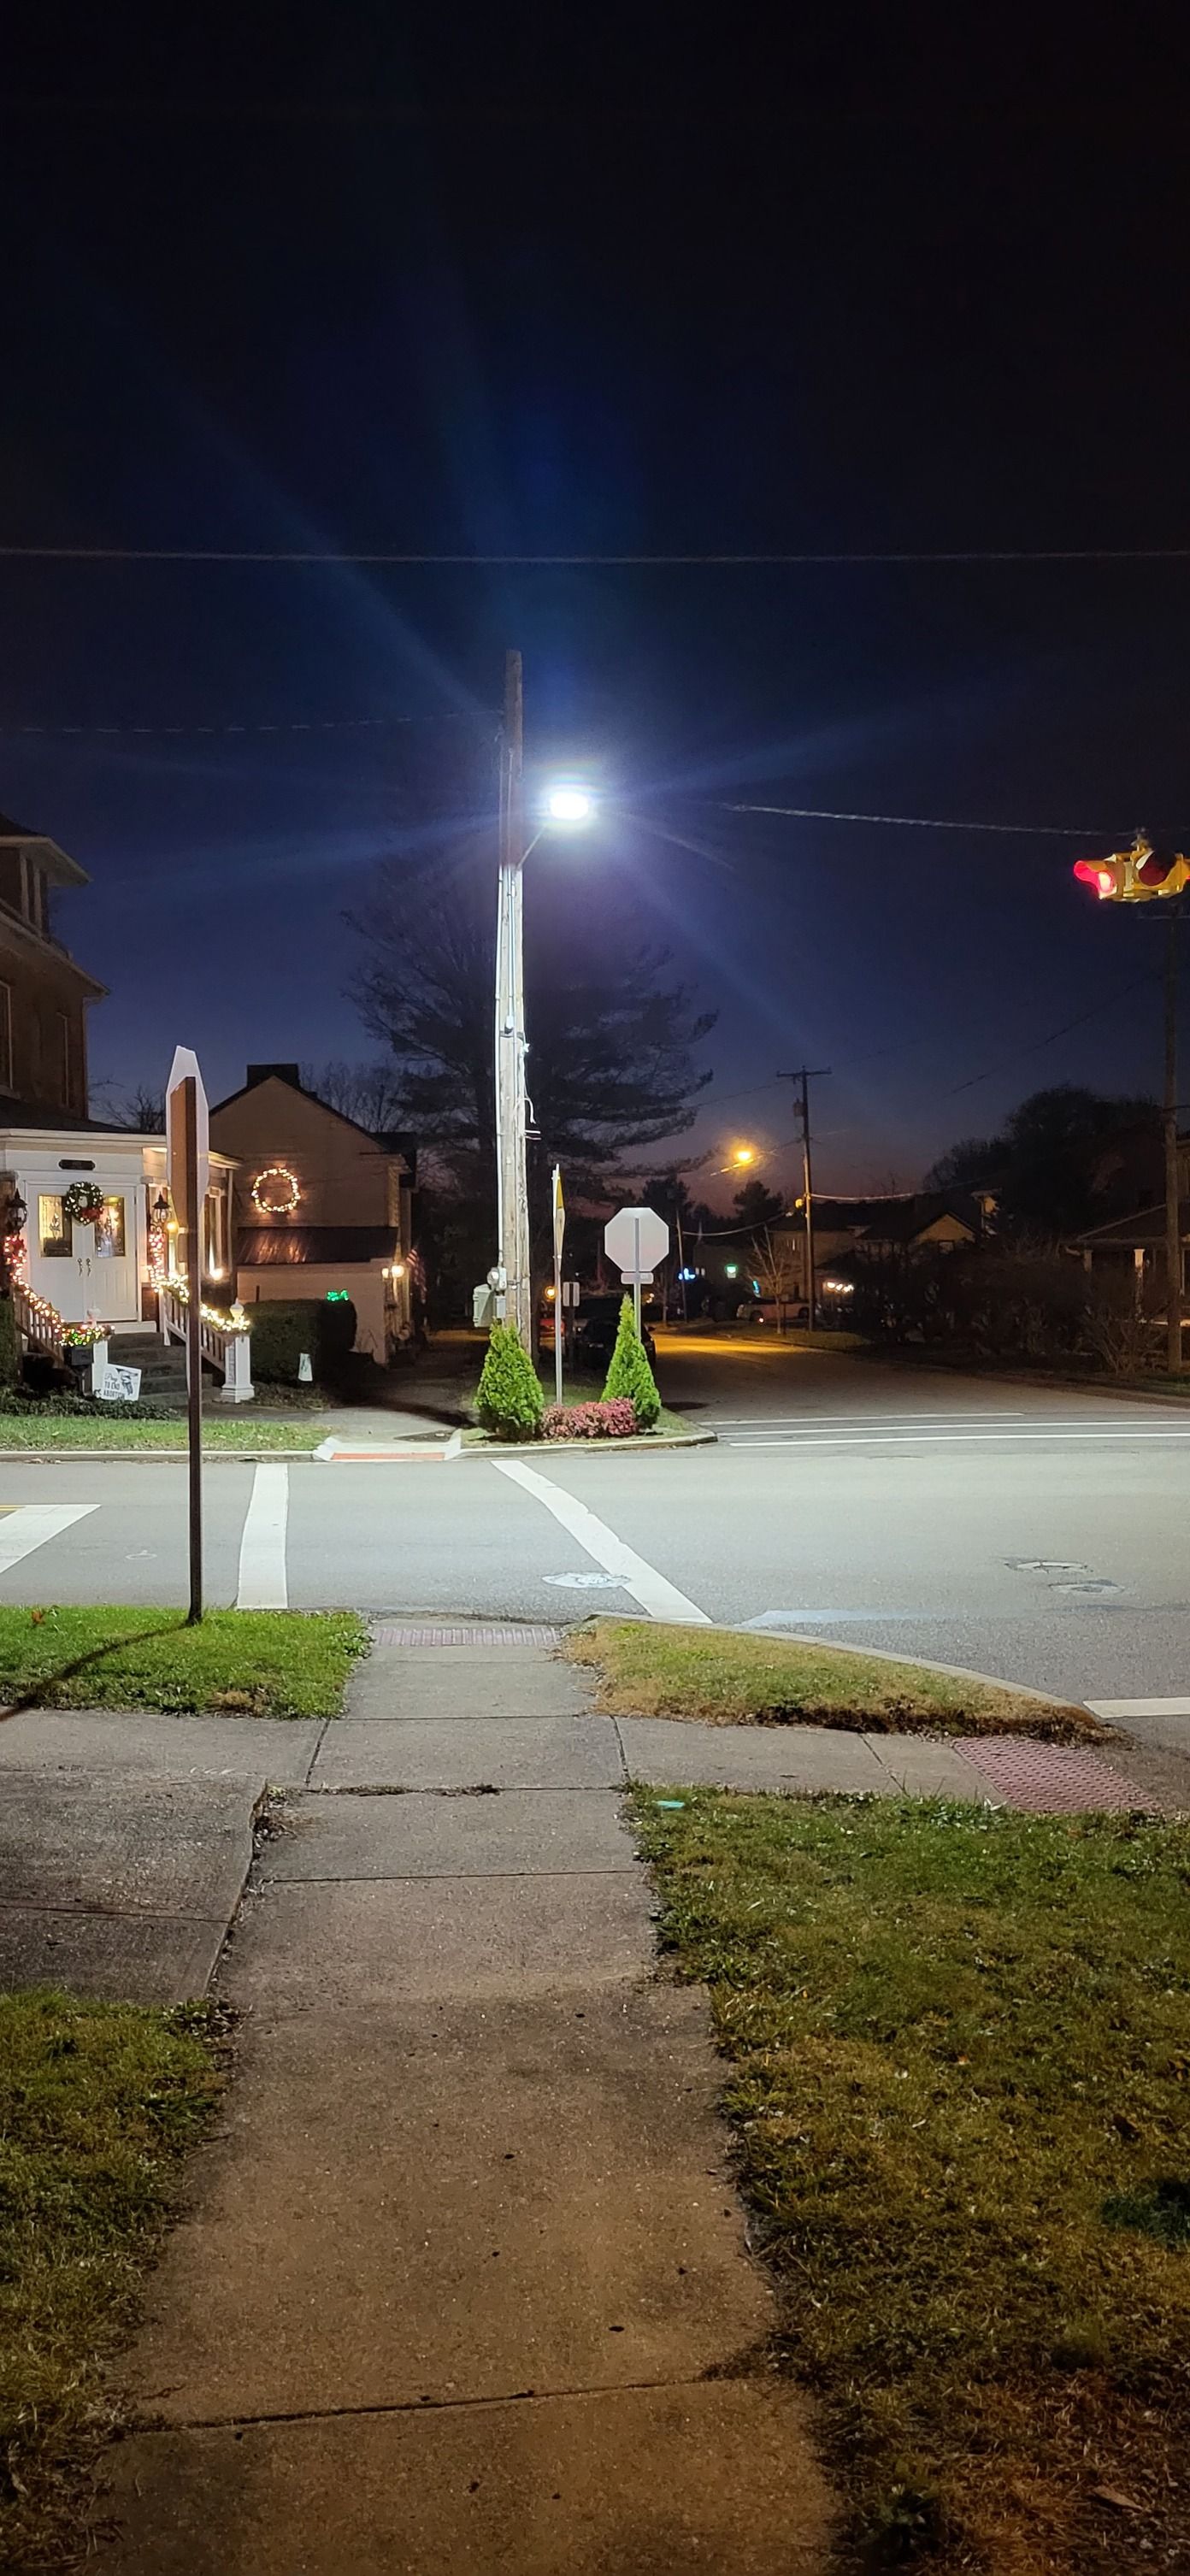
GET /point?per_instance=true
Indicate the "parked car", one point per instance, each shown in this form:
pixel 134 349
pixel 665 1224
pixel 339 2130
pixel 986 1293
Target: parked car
pixel 593 1334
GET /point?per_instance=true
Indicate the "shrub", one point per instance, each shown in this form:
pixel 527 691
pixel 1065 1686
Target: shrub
pixel 509 1402
pixel 282 1328
pixel 614 1421
pixel 630 1374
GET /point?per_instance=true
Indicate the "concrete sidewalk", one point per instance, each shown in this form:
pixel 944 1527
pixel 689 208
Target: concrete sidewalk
pixel 464 2283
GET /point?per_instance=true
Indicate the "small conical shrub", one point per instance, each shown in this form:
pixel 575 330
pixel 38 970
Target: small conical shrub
pixel 630 1373
pixel 510 1402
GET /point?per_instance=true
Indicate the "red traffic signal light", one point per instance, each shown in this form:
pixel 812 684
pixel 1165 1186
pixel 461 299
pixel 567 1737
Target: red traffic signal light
pixel 1103 874
pixel 1138 875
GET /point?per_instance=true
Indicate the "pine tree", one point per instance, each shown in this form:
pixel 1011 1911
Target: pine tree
pixel 510 1402
pixel 630 1373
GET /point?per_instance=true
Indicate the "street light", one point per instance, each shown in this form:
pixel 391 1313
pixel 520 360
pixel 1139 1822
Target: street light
pixel 566 806
pixel 569 808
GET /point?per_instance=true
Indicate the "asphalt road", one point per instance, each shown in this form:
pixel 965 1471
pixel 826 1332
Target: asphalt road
pixel 1026 1531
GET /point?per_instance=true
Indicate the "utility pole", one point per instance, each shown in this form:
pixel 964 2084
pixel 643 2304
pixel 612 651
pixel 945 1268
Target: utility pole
pixel 805 1075
pixel 1169 1122
pixel 512 1192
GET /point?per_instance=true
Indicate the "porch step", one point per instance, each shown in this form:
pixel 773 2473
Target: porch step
pixel 162 1366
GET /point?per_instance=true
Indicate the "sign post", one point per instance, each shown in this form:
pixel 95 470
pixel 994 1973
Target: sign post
pixel 187 1141
pixel 559 1233
pixel 636 1239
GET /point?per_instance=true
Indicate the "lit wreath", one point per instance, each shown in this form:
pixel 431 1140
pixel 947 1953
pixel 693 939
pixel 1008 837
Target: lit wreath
pixel 275 1206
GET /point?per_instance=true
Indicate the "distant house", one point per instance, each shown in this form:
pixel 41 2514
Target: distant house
pixel 850 1231
pixel 1135 1243
pixel 321 1207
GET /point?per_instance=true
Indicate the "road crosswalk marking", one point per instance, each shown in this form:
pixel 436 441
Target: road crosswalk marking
pixel 262 1581
pixel 660 1598
pixel 29 1525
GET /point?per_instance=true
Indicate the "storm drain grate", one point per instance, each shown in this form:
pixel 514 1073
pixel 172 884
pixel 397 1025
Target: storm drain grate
pixel 1052 1779
pixel 471 1633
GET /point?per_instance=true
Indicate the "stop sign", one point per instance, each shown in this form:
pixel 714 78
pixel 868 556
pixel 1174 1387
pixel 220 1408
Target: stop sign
pixel 636 1239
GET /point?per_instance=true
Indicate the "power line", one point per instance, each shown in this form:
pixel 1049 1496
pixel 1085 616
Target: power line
pixel 926 822
pixel 296 724
pixel 1035 1048
pixel 720 562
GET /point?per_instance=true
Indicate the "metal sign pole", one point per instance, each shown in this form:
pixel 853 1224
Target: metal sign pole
pixel 636 1272
pixel 191 1218
pixel 559 1230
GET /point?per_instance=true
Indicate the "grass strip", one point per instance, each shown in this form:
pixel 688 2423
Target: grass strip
pixel 255 1663
pixel 725 1679
pixel 98 2105
pixel 75 1431
pixel 959 2063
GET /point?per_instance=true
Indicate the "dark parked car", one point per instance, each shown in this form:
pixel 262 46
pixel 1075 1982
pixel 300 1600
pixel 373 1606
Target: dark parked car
pixel 593 1334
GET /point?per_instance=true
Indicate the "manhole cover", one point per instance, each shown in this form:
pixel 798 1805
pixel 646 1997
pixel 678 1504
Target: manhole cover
pixel 1095 1588
pixel 585 1582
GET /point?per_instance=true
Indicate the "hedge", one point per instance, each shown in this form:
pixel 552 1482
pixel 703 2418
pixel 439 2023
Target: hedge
pixel 282 1328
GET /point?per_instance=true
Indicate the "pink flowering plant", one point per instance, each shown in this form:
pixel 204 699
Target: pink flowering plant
pixel 615 1420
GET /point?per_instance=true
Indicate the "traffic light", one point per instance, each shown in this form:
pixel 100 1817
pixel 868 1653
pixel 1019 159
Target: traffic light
pixel 1106 875
pixel 1139 875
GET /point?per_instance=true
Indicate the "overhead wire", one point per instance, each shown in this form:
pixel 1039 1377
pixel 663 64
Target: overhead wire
pixel 744 561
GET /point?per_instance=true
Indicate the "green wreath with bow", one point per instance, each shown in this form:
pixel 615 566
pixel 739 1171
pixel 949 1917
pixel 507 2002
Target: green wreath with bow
pixel 82 1203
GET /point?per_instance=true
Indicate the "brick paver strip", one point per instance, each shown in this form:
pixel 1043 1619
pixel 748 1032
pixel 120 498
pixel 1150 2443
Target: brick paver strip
pixel 472 1633
pixel 1052 1779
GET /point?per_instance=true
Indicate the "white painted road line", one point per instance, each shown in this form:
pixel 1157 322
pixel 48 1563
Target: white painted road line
pixel 1139 1707
pixel 29 1527
pixel 662 1600
pixel 262 1583
pixel 956 1439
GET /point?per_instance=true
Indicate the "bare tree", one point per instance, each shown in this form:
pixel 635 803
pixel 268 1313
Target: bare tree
pixel 367 1093
pixel 777 1262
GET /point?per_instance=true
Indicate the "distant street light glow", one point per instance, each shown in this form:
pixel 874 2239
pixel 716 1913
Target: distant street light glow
pixel 569 807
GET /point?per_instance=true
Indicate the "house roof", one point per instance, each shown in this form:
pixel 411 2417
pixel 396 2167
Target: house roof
pixel 383 1138
pixel 59 869
pixel 273 1247
pixel 1145 1226
pixel 899 1217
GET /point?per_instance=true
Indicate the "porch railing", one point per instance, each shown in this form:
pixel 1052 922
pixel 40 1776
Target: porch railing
pixel 225 1346
pixel 38 1323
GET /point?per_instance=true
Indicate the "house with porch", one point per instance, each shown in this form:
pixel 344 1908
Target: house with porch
pixel 83 1203
pixel 321 1207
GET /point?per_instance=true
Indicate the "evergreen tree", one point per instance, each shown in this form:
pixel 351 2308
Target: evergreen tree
pixel 510 1402
pixel 630 1373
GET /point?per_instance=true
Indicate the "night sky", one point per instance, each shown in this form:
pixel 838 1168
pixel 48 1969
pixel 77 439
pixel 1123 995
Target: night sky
pixel 586 291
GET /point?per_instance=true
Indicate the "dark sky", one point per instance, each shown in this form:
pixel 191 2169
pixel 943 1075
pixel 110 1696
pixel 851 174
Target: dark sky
pixel 900 285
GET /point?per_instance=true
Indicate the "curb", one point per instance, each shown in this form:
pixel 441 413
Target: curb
pixel 869 1654
pixel 640 1444
pixel 153 1457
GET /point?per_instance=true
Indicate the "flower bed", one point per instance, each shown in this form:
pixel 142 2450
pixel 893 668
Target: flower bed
pixel 614 1420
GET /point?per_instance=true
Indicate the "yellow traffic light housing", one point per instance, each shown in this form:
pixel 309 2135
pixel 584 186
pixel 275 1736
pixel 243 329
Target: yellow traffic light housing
pixel 1139 875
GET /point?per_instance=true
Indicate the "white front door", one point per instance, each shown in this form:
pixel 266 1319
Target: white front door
pixel 86 1269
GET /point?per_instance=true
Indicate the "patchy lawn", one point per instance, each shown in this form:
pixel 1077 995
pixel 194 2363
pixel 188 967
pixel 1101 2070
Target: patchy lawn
pixel 725 1679
pixel 98 2105
pixel 959 2061
pixel 261 1663
pixel 55 1431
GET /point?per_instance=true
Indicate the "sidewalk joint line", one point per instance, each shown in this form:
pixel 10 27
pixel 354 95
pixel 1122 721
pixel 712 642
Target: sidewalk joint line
pixel 425 2405
pixel 441 1877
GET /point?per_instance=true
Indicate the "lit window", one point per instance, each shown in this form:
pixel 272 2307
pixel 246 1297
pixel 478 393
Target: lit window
pixel 52 1231
pixel 109 1231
